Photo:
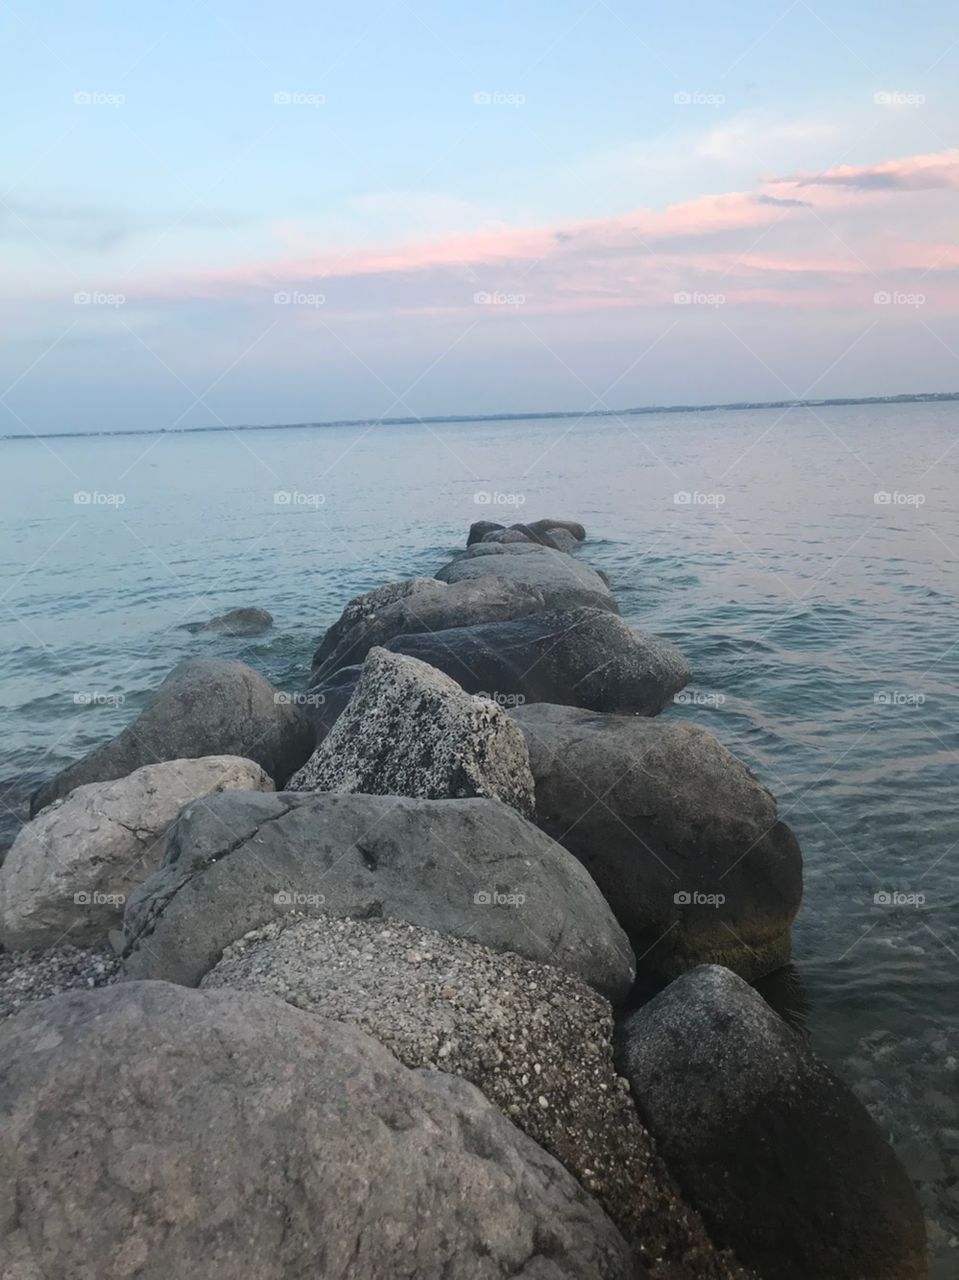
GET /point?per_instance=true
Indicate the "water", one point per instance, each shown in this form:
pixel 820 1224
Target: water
pixel 818 623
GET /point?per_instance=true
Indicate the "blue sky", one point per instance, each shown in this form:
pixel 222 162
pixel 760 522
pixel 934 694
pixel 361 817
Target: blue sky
pixel 576 167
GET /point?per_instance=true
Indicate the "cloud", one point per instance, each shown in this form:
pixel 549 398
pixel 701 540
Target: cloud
pixel 937 171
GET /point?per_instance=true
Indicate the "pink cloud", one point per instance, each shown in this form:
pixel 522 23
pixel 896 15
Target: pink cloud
pixel 914 173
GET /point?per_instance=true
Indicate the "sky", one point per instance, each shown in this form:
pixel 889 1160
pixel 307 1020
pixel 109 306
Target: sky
pixel 236 213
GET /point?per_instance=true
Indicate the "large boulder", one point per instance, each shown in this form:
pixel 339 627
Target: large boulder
pixel 72 868
pixel 472 868
pixel 158 1132
pixel 681 837
pixel 533 1039
pixel 205 707
pixel 566 583
pixel 409 730
pixel 421 604
pixel 784 1164
pixel 247 621
pixel 479 529
pixel 584 657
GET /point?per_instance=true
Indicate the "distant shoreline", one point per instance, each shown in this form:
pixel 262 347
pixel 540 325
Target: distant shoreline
pixel 926 397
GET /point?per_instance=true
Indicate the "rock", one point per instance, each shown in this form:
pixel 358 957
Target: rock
pixel 29 976
pixel 409 730
pixel 238 622
pixel 71 870
pixel 566 583
pixel 781 1160
pixel 523 1033
pixel 572 527
pixel 680 836
pixel 515 534
pixel 225 1136
pixel 422 604
pixel 471 868
pixel 562 539
pixel 205 707
pixel 479 529
pixel 586 657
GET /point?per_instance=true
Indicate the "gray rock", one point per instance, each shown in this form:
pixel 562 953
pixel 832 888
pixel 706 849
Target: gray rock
pixel 479 529
pixel 238 622
pixel 472 868
pixel 680 836
pixel 572 527
pixel 29 976
pixel 409 730
pixel 567 583
pixel 514 534
pixel 225 1136
pixel 562 539
pixel 781 1160
pixel 584 657
pixel 533 1039
pixel 205 707
pixel 72 868
pixel 422 604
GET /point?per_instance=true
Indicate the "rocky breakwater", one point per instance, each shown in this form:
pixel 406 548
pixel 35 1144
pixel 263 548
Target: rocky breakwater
pixel 367 1024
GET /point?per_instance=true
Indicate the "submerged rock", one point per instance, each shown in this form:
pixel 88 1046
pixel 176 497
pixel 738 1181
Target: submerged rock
pixel 238 622
pixel 782 1161
pixel 472 868
pixel 567 583
pixel 409 730
pixel 72 868
pixel 681 837
pixel 225 1136
pixel 204 707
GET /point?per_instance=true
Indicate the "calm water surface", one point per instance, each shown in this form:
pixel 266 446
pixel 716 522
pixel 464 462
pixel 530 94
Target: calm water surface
pixel 819 623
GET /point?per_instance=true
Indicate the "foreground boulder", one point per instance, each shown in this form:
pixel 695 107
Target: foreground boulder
pixel 421 604
pixel 681 837
pixel 71 870
pixel 782 1161
pixel 583 657
pixel 566 583
pixel 472 868
pixel 409 730
pixel 533 1039
pixel 238 622
pixel 205 707
pixel 171 1138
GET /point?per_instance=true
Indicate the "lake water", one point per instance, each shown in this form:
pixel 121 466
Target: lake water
pixel 819 624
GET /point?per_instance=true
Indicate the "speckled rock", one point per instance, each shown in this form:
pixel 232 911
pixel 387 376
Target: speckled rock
pixel 221 1135
pixel 28 976
pixel 420 604
pixel 205 707
pixel 70 870
pixel 582 657
pixel 409 730
pixel 686 845
pixel 471 868
pixel 567 582
pixel 535 1040
pixel 782 1161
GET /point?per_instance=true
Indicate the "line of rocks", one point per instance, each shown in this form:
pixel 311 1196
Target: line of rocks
pixel 477 826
